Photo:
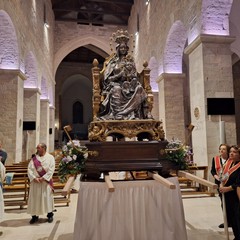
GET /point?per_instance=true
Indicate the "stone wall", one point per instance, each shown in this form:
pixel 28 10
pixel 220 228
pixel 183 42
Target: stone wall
pixel 23 35
pixel 155 21
pixel 28 23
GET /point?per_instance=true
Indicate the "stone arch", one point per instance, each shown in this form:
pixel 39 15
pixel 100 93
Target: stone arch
pixel 76 43
pixel 44 89
pixel 173 52
pixel 31 71
pixel 9 54
pixel 215 17
pixel 153 65
pixel 60 82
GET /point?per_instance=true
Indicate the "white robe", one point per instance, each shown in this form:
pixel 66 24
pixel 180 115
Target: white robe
pixel 2 177
pixel 40 199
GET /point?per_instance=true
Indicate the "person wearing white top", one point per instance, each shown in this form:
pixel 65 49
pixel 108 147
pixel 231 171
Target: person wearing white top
pixel 217 166
pixel 40 172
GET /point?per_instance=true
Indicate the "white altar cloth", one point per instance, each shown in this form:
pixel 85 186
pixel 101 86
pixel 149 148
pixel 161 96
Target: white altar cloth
pixel 137 210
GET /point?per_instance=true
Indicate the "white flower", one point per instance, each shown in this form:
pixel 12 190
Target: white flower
pixel 74 157
pixel 64 148
pixel 69 158
pixel 85 155
pixel 76 143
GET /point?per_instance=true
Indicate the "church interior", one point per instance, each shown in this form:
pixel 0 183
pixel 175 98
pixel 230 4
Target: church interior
pixel 52 55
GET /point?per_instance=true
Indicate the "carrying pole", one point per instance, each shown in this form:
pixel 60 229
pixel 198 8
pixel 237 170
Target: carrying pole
pixel 225 215
pixel 225 222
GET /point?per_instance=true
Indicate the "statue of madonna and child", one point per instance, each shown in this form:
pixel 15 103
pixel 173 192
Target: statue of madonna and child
pixel 124 97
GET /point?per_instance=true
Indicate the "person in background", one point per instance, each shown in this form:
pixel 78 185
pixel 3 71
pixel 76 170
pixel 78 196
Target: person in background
pixel 40 172
pixel 2 177
pixel 217 166
pixel 230 183
pixel 3 154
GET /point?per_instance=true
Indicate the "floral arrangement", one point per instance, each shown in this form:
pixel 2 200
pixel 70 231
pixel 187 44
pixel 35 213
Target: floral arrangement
pixel 73 160
pixel 179 153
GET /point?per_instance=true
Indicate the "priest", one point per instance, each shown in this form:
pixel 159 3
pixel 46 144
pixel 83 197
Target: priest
pixel 40 172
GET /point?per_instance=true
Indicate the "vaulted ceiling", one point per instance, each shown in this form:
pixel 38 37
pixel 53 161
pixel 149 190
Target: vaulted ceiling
pixel 95 12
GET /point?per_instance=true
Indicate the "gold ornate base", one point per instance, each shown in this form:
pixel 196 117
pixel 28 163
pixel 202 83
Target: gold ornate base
pixel 140 129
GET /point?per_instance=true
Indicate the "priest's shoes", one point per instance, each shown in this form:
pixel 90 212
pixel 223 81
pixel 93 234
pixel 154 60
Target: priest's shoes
pixel 221 225
pixel 50 219
pixel 34 219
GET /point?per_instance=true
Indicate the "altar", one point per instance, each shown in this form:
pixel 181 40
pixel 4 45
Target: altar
pixel 136 210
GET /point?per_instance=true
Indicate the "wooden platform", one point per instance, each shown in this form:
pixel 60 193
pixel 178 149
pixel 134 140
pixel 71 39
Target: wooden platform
pixel 124 156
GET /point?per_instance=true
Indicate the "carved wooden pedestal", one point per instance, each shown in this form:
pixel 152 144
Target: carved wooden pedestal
pixel 141 129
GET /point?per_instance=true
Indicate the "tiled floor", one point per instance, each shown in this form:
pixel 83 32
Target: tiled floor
pixel 202 215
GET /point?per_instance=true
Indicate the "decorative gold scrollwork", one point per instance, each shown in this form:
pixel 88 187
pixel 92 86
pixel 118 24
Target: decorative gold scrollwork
pixel 162 151
pixel 93 153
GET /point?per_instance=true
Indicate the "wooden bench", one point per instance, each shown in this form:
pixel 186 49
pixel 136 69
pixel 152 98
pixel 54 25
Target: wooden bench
pixel 16 193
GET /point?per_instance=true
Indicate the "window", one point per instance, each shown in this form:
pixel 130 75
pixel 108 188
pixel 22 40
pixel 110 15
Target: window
pixel 77 112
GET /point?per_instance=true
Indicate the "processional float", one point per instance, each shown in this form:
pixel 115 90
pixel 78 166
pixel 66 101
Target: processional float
pixel 122 104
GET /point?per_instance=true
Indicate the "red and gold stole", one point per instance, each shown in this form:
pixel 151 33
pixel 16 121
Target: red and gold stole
pixel 229 169
pixel 218 164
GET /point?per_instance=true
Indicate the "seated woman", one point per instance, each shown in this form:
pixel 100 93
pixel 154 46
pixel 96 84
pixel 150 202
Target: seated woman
pixel 124 96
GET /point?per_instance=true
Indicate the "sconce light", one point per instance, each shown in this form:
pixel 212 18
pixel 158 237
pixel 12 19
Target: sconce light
pixel 45 17
pixel 147 2
pixel 46 25
pixel 137 25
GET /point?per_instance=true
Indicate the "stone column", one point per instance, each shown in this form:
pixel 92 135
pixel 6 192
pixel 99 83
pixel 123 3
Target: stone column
pixel 171 105
pixel 155 110
pixel 11 108
pixel 31 113
pixel 210 76
pixel 236 81
pixel 51 129
pixel 44 122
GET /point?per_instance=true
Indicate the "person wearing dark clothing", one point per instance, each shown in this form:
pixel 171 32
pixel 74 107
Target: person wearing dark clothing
pixel 230 183
pixel 217 166
pixel 3 154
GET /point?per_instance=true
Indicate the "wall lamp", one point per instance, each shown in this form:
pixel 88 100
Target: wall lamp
pixel 45 16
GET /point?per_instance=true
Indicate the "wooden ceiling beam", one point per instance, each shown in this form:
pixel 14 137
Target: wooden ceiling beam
pixel 128 2
pixel 108 12
pixel 91 21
